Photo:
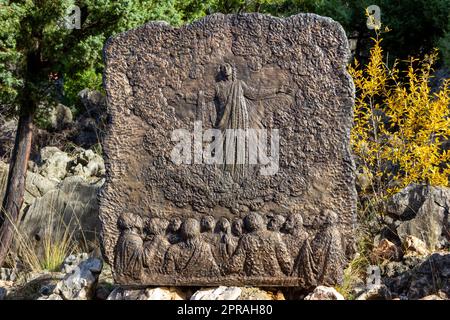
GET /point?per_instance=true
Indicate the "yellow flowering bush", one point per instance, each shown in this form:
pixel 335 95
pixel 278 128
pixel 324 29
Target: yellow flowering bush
pixel 399 124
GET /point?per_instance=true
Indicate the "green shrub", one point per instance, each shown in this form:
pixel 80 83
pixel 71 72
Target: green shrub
pixel 73 84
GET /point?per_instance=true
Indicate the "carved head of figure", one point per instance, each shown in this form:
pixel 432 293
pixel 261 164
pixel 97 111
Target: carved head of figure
pixel 174 225
pixel 331 217
pixel 293 222
pixel 130 221
pixel 237 227
pixel 190 229
pixel 254 222
pixel 156 226
pixel 223 225
pixel 207 224
pixel 227 71
pixel 276 222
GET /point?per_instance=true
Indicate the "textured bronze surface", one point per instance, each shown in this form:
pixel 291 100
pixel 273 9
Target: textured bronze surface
pixel 166 223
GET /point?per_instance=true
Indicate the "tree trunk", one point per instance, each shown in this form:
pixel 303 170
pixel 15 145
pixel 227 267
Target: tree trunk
pixel 15 188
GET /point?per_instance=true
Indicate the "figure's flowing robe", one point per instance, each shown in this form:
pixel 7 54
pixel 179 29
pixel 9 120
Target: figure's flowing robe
pixel 234 116
pixel 129 254
pixel 304 265
pixel 154 253
pixel 225 248
pixel 329 257
pixel 193 258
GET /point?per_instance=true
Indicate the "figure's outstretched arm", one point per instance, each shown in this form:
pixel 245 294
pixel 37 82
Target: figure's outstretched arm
pixel 262 93
pixel 202 96
pixel 188 97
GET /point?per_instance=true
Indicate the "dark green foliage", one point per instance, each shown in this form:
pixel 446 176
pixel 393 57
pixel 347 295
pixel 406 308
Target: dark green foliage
pixel 444 45
pixel 38 56
pixel 417 25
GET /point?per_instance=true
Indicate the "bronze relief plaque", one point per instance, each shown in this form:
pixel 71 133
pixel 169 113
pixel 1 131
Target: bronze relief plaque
pixel 227 153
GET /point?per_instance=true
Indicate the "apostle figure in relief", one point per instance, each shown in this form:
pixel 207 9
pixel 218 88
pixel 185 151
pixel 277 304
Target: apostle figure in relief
pixel 328 249
pixel 156 244
pixel 259 252
pixel 129 252
pixel 192 256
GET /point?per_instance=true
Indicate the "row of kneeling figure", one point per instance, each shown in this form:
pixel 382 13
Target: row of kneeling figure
pixel 252 246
